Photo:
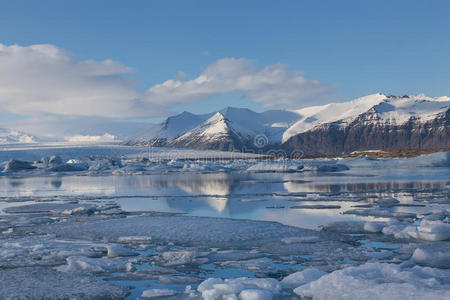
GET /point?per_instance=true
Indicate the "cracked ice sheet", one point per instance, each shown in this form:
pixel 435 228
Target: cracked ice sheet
pixel 22 283
pixel 48 251
pixel 191 231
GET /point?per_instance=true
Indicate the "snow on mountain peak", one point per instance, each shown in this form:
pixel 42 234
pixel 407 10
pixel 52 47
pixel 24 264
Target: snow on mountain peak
pixel 242 124
pixel 215 125
pixel 332 112
pixel 393 109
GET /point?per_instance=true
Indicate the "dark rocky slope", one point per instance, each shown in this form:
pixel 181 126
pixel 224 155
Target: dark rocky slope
pixel 368 131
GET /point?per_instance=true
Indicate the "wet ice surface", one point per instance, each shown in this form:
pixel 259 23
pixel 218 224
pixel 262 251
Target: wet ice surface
pixel 227 230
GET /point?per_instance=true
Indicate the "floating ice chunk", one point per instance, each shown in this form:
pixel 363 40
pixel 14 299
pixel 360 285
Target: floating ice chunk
pixel 116 251
pixel 215 288
pixel 300 239
pixel 254 265
pixel 428 230
pixel 173 279
pixel 7 231
pixel 432 257
pixel 345 227
pixel 155 293
pixel 316 206
pixel 432 231
pixel 379 281
pixel 173 258
pixel 94 265
pixel 55 160
pixel 374 227
pixel 208 284
pixel 276 166
pixel 104 164
pixel 381 212
pixel 302 277
pixel 82 210
pixel 387 202
pixel 332 168
pixel 68 168
pixel 18 165
pixel 43 160
pixel 253 294
pixel 229 297
pixel 261 283
pixel 438 159
pixel 134 239
pixel 399 230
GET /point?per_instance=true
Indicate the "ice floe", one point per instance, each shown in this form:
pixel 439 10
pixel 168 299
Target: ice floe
pixel 18 165
pixel 156 293
pixel 302 277
pixel 380 281
pixel 250 288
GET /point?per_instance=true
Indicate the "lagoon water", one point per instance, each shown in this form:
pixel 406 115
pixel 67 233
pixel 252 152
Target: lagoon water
pixel 259 196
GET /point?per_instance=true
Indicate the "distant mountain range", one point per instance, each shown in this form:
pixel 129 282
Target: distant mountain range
pixel 228 129
pixel 9 136
pixel 372 122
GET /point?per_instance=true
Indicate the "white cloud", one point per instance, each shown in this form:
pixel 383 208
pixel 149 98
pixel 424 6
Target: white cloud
pixel 274 86
pixel 62 126
pixel 45 80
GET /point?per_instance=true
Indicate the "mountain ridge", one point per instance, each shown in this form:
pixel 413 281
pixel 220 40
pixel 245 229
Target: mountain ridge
pixel 373 122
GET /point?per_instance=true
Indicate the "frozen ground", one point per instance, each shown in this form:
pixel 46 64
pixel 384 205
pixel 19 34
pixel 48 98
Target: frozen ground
pixel 179 227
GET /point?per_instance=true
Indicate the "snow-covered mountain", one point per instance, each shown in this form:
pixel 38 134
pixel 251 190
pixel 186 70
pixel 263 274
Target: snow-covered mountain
pixel 372 122
pixel 227 129
pixel 390 109
pixel 170 129
pixel 9 136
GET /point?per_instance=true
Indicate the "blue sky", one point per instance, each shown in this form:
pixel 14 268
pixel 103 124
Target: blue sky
pixel 358 47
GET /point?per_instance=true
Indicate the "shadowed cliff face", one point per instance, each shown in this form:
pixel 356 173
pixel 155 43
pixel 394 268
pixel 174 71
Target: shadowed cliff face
pixel 368 132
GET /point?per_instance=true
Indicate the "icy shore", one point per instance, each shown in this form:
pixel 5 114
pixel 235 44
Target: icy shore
pixel 76 247
pixel 391 239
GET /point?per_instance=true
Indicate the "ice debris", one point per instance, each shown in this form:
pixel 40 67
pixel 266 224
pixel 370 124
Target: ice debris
pixel 156 293
pixel 18 165
pixel 303 277
pixel 215 288
pixel 380 281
